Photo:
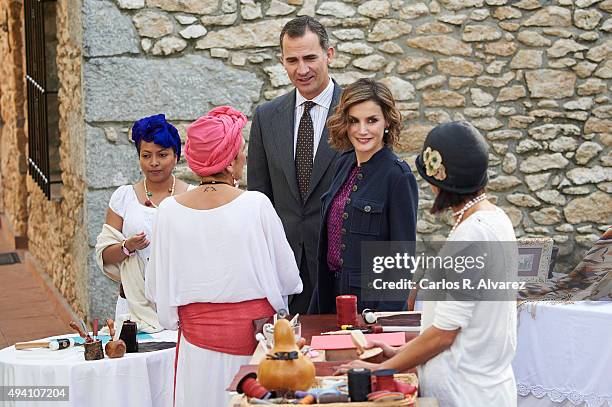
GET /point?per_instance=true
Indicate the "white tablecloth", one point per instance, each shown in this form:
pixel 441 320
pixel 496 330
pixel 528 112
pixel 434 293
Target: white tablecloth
pixel 564 354
pixel 135 380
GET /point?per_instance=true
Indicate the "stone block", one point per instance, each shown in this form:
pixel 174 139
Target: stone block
pixel 106 31
pixel 441 44
pixel 183 88
pixel 548 83
pixel 249 35
pixel 109 164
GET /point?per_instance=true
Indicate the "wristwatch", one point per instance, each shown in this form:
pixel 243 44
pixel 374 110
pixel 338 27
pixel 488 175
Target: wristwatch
pixel 126 251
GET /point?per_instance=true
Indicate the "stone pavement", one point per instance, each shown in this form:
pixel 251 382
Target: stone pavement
pixel 28 308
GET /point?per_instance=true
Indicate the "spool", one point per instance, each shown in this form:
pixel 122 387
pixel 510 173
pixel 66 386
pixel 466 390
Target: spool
pixel 346 310
pixel 128 335
pixel 359 384
pixel 369 316
pixel 249 386
pixel 93 350
pixel 385 380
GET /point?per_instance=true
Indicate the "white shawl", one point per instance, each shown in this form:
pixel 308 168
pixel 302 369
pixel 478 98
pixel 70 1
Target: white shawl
pixel 130 272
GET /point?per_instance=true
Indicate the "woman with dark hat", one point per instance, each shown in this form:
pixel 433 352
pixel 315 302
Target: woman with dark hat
pixel 220 260
pixel 466 347
pixel 123 245
pixel 372 198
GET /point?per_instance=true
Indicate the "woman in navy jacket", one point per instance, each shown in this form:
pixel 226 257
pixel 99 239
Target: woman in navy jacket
pixel 373 196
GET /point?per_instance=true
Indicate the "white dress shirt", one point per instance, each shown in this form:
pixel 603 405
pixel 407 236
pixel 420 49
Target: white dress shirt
pixel 318 113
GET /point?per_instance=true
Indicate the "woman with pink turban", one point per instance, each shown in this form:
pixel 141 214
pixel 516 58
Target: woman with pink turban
pixel 220 260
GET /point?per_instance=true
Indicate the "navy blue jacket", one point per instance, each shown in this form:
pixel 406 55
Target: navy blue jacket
pixel 381 207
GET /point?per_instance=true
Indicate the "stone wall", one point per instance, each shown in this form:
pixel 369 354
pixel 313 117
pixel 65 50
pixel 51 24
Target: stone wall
pixel 54 228
pixel 532 75
pixel 13 134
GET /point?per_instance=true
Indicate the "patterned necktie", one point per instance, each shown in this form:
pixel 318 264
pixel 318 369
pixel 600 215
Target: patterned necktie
pixel 304 150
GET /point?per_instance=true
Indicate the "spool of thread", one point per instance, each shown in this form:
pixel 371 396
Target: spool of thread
pixel 359 383
pixel 128 335
pixel 346 310
pixel 369 316
pixel 385 380
pixel 249 386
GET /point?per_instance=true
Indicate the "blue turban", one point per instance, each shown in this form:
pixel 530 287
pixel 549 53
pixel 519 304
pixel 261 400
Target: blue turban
pixel 157 130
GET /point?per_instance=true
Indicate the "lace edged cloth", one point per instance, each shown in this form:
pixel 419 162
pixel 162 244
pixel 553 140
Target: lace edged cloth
pixel 558 396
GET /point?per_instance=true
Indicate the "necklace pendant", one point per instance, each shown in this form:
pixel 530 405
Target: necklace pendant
pixel 148 203
pixel 149 194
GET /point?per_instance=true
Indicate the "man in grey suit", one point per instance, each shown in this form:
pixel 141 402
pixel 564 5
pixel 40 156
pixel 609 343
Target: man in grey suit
pixel 289 158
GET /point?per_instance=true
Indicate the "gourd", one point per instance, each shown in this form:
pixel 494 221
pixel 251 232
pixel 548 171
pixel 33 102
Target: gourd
pixel 285 368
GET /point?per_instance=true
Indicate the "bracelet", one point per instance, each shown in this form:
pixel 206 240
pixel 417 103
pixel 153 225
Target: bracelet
pixel 126 251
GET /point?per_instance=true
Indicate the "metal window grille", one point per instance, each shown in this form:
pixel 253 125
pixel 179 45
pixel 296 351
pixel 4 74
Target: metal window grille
pixel 38 94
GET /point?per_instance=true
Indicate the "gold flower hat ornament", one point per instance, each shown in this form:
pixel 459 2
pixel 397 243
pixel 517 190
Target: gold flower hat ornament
pixel 433 164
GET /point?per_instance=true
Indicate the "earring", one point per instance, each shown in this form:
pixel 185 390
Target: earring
pixel 386 131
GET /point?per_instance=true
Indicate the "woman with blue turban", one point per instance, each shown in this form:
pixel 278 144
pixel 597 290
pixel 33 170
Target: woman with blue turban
pixel 122 249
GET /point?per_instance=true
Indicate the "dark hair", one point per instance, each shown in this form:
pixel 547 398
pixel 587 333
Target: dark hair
pixel 298 26
pixel 446 199
pixel 361 91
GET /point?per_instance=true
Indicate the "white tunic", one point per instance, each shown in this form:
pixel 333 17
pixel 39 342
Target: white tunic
pixel 233 253
pixel 476 370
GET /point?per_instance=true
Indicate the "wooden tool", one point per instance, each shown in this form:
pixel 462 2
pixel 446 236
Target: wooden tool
pixel 360 341
pixel 31 345
pixel 114 348
pixel 81 331
pixel 55 344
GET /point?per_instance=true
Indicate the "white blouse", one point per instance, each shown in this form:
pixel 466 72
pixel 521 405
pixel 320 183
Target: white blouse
pixel 136 216
pixel 476 370
pixel 232 253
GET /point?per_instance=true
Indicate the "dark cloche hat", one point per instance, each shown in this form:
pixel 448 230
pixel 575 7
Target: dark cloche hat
pixel 455 158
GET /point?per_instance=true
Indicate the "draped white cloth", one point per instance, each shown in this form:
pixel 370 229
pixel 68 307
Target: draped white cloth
pixel 135 380
pixel 564 354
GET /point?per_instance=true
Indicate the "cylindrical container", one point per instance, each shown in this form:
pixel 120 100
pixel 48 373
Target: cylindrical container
pixel 128 335
pixel 93 350
pixel 359 384
pixel 384 380
pixel 346 310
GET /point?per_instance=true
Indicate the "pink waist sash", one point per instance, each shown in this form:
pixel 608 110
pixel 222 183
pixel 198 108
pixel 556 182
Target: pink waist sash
pixel 224 327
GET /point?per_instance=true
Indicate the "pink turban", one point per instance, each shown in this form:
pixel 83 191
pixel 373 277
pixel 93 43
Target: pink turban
pixel 213 141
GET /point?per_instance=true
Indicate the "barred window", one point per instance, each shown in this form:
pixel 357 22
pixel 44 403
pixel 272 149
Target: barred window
pixel 42 85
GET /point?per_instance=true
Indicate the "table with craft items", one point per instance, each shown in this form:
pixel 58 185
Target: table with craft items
pixel 313 325
pixel 564 354
pixel 135 380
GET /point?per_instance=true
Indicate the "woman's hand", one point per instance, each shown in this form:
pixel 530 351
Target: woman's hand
pixel 388 351
pixel 137 242
pixel 343 369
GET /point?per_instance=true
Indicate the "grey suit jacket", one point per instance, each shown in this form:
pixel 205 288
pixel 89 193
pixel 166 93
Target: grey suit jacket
pixel 271 170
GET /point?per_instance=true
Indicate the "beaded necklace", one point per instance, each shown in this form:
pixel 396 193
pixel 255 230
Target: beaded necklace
pixel 149 195
pixel 462 211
